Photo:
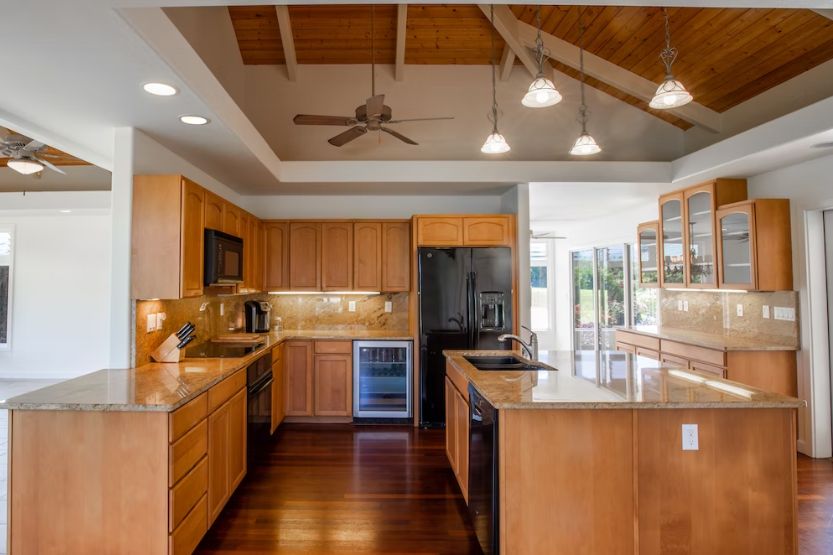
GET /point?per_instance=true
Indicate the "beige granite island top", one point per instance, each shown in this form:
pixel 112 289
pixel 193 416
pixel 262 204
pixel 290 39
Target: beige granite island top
pixel 609 379
pixel 165 386
pixel 709 340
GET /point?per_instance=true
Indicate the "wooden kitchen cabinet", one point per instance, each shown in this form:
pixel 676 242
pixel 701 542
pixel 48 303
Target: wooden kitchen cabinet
pixel 450 425
pixel 336 256
pixel 396 256
pixel 487 231
pixel 226 452
pixel 214 209
pixel 457 428
pixel 367 256
pixel 276 275
pixel 440 231
pixel 278 397
pixel 646 235
pixel 298 376
pixel 482 230
pixel 232 220
pixel 167 238
pixel 672 246
pixel 333 385
pixel 755 245
pixel 305 256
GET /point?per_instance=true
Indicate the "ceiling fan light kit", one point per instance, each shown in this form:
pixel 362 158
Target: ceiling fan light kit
pixel 671 93
pixel 25 166
pixel 26 156
pixel 585 145
pixel 542 92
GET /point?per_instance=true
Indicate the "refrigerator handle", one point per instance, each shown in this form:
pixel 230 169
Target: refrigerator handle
pixel 474 321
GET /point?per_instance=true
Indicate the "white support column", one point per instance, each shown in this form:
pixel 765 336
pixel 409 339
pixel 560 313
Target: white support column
pixel 121 309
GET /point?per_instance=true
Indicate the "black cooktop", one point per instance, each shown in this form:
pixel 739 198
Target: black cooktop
pixel 221 350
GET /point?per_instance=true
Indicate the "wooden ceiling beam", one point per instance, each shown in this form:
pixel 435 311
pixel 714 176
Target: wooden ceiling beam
pixel 401 32
pixel 507 61
pixel 506 24
pixel 287 41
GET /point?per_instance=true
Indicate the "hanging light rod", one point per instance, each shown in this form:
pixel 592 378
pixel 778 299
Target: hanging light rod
pixel 495 142
pixel 585 145
pixel 542 92
pixel 671 93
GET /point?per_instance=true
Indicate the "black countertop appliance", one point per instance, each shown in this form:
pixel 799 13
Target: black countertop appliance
pixel 257 316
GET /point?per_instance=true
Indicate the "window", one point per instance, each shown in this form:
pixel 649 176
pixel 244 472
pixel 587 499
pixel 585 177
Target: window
pixel 6 237
pixel 540 277
pixel 645 309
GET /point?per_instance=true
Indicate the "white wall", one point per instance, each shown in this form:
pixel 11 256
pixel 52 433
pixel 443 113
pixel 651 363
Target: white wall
pixel 809 186
pixel 61 292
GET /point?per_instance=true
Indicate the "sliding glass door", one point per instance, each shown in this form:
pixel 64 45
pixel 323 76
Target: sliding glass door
pixel 584 301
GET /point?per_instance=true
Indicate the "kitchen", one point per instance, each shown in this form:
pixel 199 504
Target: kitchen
pixel 313 362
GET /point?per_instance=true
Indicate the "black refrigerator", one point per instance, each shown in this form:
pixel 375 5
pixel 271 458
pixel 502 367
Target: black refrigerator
pixel 465 302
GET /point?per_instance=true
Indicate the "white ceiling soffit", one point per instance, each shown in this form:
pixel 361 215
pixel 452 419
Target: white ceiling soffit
pixel 77 178
pixel 567 202
pixel 378 188
pixel 812 4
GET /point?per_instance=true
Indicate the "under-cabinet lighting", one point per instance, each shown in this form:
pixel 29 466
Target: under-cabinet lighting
pixel 707 290
pixel 324 293
pixel 729 388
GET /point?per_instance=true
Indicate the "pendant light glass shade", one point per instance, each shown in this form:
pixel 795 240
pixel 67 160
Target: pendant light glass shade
pixel 585 146
pixel 495 144
pixel 670 94
pixel 541 94
pixel 24 166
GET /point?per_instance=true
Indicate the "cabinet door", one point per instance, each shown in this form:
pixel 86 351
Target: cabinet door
pixel 672 240
pixel 438 231
pixel 737 247
pixel 218 462
pixel 277 388
pixel 333 385
pixel 450 425
pixel 487 231
pixel 213 211
pixel 337 256
pixel 298 378
pixel 231 220
pixel 701 266
pixel 245 234
pixel 191 255
pixel 461 415
pixel 305 256
pixel 258 252
pixel 237 410
pixel 648 268
pixel 277 256
pixel 396 256
pixel 367 256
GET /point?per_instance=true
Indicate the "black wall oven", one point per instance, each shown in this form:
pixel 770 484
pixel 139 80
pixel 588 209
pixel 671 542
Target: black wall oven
pixel 259 395
pixel 223 258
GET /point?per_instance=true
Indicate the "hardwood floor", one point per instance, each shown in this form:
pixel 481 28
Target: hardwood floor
pixel 373 489
pixel 345 489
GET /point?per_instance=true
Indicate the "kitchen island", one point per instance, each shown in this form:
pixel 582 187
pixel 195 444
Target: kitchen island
pixel 590 457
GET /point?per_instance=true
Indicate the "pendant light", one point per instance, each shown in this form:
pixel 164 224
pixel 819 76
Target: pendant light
pixel 585 145
pixel 542 91
pixel 495 142
pixel 671 93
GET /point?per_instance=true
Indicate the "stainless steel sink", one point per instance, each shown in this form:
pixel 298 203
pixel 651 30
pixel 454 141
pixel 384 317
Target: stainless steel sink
pixel 501 363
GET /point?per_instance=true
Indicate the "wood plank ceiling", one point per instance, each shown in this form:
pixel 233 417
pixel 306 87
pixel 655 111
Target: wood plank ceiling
pixel 727 55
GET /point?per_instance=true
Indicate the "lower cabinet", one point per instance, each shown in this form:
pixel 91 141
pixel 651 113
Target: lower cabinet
pixel 333 385
pixel 457 435
pixel 278 405
pixel 318 378
pixel 226 452
pixel 298 378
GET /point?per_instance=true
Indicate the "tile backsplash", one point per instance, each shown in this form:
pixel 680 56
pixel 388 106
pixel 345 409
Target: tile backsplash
pixel 717 313
pixel 308 312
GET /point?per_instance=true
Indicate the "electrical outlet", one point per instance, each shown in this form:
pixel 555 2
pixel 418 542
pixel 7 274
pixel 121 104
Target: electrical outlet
pixel 222 309
pixel 765 311
pixel 740 310
pixel 785 313
pixel 160 320
pixel 685 306
pixel 388 306
pixel 691 439
pixel 680 305
pixel 151 325
pixel 351 306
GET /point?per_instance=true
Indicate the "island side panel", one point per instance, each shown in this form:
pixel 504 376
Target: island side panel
pixel 566 481
pixel 88 482
pixel 736 494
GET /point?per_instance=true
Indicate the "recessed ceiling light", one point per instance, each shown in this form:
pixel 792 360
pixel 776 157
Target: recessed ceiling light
pixel 193 120
pixel 824 145
pixel 65 211
pixel 159 89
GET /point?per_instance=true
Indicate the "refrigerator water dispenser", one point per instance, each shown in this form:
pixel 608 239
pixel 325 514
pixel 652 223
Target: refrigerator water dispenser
pixel 491 310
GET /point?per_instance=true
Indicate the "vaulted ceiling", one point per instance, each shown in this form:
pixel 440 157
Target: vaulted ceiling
pixel 727 55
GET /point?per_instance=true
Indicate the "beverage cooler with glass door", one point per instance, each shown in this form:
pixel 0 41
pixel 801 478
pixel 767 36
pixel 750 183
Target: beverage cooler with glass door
pixel 382 381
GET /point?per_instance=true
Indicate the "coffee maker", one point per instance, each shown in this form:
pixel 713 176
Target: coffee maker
pixel 257 316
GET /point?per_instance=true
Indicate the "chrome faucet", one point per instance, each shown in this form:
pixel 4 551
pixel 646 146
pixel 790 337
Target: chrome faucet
pixel 531 348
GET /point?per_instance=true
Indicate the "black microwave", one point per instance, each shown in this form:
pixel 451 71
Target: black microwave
pixel 223 258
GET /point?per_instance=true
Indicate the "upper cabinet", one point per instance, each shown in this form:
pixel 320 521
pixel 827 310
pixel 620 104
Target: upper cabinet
pixel 214 211
pixel 462 231
pixel 367 256
pixel 277 256
pixel 487 231
pixel 672 240
pixel 396 256
pixel 232 220
pixel 440 231
pixel 755 245
pixel 647 247
pixel 305 256
pixel 167 239
pixel 337 256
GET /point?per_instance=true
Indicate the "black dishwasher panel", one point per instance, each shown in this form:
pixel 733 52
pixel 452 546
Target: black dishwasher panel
pixel 483 471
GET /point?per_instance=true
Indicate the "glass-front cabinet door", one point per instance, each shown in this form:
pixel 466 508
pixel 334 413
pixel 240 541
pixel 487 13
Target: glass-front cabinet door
pixel 672 240
pixel 737 246
pixel 648 273
pixel 702 268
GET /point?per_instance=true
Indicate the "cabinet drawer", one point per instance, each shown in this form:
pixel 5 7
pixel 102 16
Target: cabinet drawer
pixel 333 347
pixel 674 360
pixel 625 348
pixel 186 452
pixel 647 353
pixel 186 417
pixel 638 340
pixel 224 390
pixel 187 493
pixel 716 370
pixel 184 540
pixel 710 356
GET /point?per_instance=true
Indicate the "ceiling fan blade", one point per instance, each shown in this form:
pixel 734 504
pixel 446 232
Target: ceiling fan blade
pixel 419 119
pixel 33 146
pixel 51 166
pixel 349 135
pixel 306 119
pixel 399 136
pixel 375 105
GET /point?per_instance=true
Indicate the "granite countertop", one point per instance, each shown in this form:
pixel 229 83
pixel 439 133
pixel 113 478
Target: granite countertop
pixel 709 340
pixel 609 380
pixel 164 387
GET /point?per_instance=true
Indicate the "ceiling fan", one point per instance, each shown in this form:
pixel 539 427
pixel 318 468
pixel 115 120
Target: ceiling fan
pixel 25 155
pixel 373 115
